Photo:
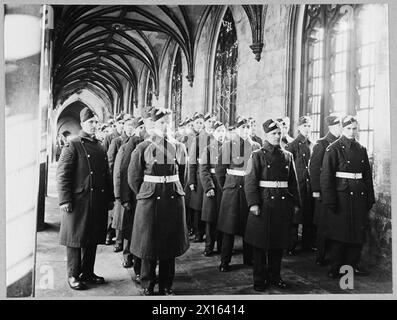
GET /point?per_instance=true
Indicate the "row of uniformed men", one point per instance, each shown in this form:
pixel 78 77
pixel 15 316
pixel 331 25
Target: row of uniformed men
pixel 268 188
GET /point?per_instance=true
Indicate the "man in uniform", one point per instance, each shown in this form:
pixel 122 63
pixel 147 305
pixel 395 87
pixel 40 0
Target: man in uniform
pixel 212 190
pixel 118 130
pixel 180 132
pixel 253 135
pixel 202 140
pixel 126 195
pixel 285 126
pixel 272 195
pixel 335 128
pixel 155 174
pixel 230 173
pixel 347 193
pixel 301 149
pixel 85 193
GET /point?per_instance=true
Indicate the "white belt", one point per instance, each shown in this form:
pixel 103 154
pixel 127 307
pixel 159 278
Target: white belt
pixel 212 170
pixel 161 179
pixel 273 184
pixel 349 175
pixel 233 172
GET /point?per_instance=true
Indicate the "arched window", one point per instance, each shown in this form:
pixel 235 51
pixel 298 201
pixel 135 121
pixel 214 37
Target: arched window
pixel 176 88
pixel 338 67
pixel 149 91
pixel 225 70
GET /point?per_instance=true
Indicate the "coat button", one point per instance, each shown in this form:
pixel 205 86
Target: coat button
pixel 362 161
pixel 89 156
pixel 91 172
pixel 362 193
pixel 304 154
pixel 283 197
pixel 272 197
pixel 172 197
pixel 268 165
pixel 92 189
pixel 343 147
pixel 286 167
pixel 102 190
pixel 348 161
pixel 306 167
pixel 158 198
pixel 240 186
pixel 351 193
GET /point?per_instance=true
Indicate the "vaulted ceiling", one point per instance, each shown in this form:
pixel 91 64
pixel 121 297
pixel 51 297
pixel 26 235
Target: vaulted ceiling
pixel 104 46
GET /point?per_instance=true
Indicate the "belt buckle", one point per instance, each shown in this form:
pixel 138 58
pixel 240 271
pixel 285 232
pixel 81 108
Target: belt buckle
pixel 165 179
pixel 356 176
pixel 278 184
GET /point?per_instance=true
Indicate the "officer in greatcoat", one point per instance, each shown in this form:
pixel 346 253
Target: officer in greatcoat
pixel 233 211
pixel 347 193
pixel 315 164
pixel 253 135
pixel 128 197
pixel 85 193
pixel 114 148
pixel 212 190
pixel 301 149
pixel 202 140
pixel 156 174
pixel 271 189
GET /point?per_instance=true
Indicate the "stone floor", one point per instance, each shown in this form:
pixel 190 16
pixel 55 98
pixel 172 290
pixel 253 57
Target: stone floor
pixel 195 274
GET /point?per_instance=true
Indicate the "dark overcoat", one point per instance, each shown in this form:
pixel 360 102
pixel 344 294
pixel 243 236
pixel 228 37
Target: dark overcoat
pixel 233 209
pixel 118 211
pixel 203 139
pixel 160 230
pixel 315 165
pixel 347 201
pixel 83 179
pixel 114 147
pixel 188 141
pixel 126 193
pixel 301 149
pixel 209 159
pixel 272 228
pixel 108 139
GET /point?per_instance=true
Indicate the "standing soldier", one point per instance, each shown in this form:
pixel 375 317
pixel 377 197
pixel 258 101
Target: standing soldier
pixel 301 149
pixel 347 194
pixel 272 195
pixel 335 128
pixel 233 211
pixel 212 189
pixel 285 126
pixel 155 174
pixel 85 195
pixel 117 131
pixel 195 189
pixel 253 135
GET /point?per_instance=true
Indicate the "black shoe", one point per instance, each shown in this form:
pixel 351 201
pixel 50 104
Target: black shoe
pixel 333 274
pixel 322 262
pixel 137 278
pixel 260 287
pixel 361 272
pixel 198 239
pixel 166 292
pixel 93 279
pixel 148 292
pixel 280 283
pixel 224 267
pixel 208 253
pixel 118 247
pixel 128 263
pixel 76 284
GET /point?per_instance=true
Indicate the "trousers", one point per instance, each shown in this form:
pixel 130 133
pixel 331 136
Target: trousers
pixel 80 260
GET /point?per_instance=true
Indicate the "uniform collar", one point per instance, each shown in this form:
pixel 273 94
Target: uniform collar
pixel 302 139
pixel 330 137
pixel 270 148
pixel 347 142
pixel 86 136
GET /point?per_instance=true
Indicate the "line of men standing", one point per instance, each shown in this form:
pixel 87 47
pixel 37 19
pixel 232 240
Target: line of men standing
pixel 213 183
